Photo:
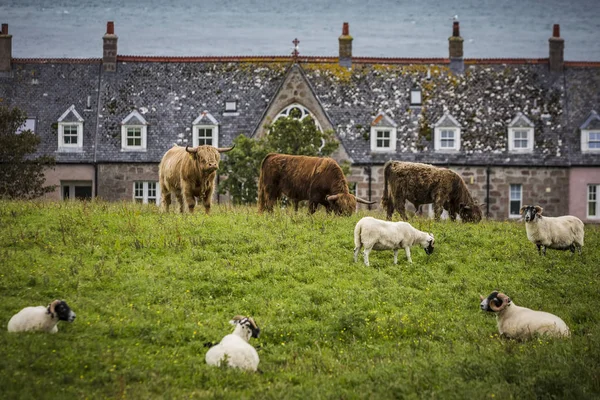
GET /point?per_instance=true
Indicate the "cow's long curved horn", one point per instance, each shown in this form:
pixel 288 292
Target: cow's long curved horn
pixel 332 197
pixel 359 200
pixel 193 151
pixel 225 149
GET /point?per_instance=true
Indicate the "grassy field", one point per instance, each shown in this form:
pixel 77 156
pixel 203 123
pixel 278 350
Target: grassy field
pixel 152 291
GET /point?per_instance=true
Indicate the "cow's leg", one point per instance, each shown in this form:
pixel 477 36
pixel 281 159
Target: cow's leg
pixel 389 209
pixel 188 197
pixel 207 198
pixel 179 198
pixel 438 210
pixel 296 202
pixel 401 208
pixel 312 206
pixel 165 199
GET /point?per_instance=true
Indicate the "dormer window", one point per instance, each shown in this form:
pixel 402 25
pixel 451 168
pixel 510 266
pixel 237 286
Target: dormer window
pixel 415 97
pixel 205 130
pixel 590 134
pixel 231 106
pixel 70 131
pixel 446 134
pixel 520 134
pixel 134 131
pixel 383 134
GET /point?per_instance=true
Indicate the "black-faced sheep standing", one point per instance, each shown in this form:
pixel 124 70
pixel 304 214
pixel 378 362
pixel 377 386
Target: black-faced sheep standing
pixel 375 234
pixel 235 347
pixel 41 318
pixel 560 233
pixel 519 322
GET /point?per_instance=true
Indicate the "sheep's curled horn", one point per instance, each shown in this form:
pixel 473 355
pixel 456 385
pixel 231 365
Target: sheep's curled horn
pixel 503 298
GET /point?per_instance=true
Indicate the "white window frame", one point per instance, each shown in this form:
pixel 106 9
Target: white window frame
pixel 231 106
pixel 375 131
pixel 511 140
pixel 61 128
pixel 205 121
pixel 595 200
pixel 71 185
pixel 304 112
pixel 142 191
pixel 61 135
pixel 440 127
pixel 138 123
pixel 125 136
pixel 585 140
pixel 511 199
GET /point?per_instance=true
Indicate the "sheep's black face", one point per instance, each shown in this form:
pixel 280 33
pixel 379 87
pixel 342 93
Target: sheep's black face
pixel 63 312
pixel 485 303
pixel 429 248
pixel 529 213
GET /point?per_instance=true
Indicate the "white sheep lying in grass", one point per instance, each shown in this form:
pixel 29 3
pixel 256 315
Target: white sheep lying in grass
pixel 385 235
pixel 561 233
pixel 235 347
pixel 522 323
pixel 41 318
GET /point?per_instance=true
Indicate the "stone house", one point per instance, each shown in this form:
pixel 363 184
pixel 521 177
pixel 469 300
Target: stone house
pixel 519 131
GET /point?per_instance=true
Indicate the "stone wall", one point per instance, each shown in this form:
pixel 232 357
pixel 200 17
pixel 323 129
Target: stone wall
pixel 115 181
pixel 548 187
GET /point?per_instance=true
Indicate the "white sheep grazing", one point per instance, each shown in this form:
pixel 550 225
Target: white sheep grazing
pixel 519 322
pixel 235 347
pixel 41 318
pixel 385 235
pixel 561 233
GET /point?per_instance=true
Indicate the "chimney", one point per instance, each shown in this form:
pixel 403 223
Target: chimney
pixel 557 50
pixel 109 48
pixel 5 49
pixel 345 47
pixel 455 42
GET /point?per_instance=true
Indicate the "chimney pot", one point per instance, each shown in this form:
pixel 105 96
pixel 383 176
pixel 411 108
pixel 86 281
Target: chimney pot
pixel 556 30
pixel 110 28
pixel 346 29
pixel 5 29
pixel 455 29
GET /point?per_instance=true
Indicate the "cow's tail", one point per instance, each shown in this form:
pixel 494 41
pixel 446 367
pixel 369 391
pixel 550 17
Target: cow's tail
pixel 263 195
pixel 387 173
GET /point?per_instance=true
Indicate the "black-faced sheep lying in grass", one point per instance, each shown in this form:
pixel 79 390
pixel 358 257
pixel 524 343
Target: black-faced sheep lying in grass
pixel 235 347
pixel 561 233
pixel 385 235
pixel 41 318
pixel 519 322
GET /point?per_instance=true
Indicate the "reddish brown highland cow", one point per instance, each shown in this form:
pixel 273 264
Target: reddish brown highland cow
pixel 189 173
pixel 425 184
pixel 318 180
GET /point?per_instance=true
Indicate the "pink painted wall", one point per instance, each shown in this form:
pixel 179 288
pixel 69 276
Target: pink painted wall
pixel 64 172
pixel 579 178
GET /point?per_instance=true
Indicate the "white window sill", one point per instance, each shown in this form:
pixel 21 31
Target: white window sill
pixel 386 150
pixel 132 150
pixel 69 150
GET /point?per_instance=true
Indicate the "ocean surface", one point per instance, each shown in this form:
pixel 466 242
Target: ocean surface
pixel 385 28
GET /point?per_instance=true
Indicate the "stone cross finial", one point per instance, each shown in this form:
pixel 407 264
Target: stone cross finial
pixel 295 53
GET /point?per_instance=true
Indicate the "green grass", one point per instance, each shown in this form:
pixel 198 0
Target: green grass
pixel 151 290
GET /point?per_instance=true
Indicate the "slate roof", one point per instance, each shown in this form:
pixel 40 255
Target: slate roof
pixel 171 94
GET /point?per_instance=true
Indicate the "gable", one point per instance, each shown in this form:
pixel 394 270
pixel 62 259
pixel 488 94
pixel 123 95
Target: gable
pixel 295 88
pixel 70 115
pixel 521 121
pixel 134 118
pixel 383 121
pixel 205 118
pixel 592 122
pixel 447 121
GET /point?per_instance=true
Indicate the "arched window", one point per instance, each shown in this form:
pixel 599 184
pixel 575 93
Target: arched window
pixel 297 111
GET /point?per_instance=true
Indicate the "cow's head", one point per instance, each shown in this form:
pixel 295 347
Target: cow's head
pixel 207 157
pixel 470 212
pixel 345 203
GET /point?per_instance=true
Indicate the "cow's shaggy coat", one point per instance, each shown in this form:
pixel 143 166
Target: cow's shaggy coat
pixel 520 322
pixel 41 319
pixel 189 173
pixel 424 184
pixel 318 180
pixel 235 347
pixel 560 233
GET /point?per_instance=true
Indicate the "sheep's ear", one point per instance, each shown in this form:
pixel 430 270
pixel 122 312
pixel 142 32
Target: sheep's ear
pixel 539 209
pixel 522 210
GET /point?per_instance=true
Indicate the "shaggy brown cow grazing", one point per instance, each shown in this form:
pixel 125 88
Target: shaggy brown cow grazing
pixel 425 184
pixel 189 173
pixel 318 180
